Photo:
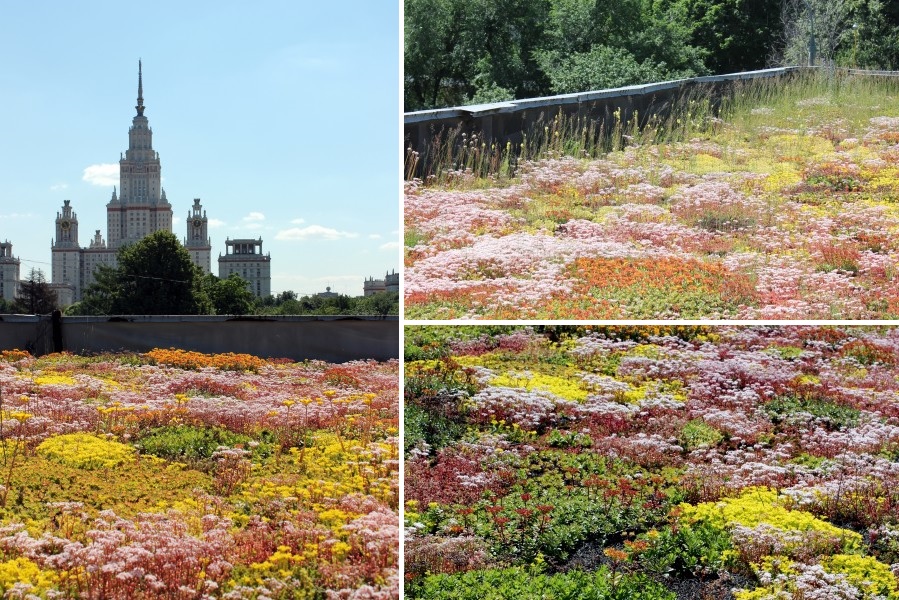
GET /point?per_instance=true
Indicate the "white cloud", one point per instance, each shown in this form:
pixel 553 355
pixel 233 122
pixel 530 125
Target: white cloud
pixel 313 232
pixel 389 246
pixel 374 236
pixel 254 217
pixel 297 221
pixel 176 221
pixel 215 223
pixel 58 187
pixel 105 174
pixel 17 215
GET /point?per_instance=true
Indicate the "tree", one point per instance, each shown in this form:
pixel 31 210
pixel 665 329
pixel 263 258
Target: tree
pixel 601 68
pixel 470 51
pixel 154 276
pixel 6 307
pixel 100 296
pixel 35 296
pixel 229 296
pixel 381 304
pixel 872 38
pixel 460 51
pixel 813 30
pixel 738 35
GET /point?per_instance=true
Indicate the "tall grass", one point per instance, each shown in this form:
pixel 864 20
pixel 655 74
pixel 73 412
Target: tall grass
pixel 455 158
pixel 819 95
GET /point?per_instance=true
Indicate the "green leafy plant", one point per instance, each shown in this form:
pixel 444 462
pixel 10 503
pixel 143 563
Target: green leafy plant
pixel 185 443
pixel 834 415
pixel 698 434
pixel 686 550
pixel 530 584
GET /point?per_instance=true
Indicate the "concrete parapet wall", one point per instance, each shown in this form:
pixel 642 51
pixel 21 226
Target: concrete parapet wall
pixel 507 122
pixel 333 339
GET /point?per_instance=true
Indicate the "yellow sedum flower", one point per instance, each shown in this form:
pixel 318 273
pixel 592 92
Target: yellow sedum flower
pixel 54 379
pixel 86 451
pixel 868 574
pixel 564 388
pixel 22 570
pixel 759 505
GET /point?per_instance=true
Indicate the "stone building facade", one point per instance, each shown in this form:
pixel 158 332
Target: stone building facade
pixel 9 272
pixel 245 257
pixel 137 208
pixel 390 283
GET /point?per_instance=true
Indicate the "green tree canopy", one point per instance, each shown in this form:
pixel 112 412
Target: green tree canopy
pixel 871 36
pixel 154 276
pixel 470 51
pixel 229 296
pixel 736 35
pixel 35 296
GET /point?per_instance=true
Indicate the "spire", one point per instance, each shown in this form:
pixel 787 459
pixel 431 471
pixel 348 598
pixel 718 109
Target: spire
pixel 140 89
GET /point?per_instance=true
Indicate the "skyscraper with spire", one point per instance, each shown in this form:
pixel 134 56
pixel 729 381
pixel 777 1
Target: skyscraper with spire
pixel 140 208
pixel 137 208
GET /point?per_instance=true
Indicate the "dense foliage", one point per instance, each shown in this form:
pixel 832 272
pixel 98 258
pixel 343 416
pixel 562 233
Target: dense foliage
pixel 287 303
pixel 34 297
pixel 154 276
pixel 740 463
pixel 175 474
pixel 471 51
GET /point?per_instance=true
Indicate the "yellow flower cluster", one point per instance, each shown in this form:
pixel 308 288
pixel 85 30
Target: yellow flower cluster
pixel 782 176
pixel 706 163
pixel 868 574
pixel 639 392
pixel 570 389
pixel 54 379
pixel 86 451
pixel 283 564
pixel 884 180
pixel 331 467
pixel 871 577
pixel 22 570
pixel 757 505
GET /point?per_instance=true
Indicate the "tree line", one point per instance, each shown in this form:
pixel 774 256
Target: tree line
pixel 155 276
pixel 460 52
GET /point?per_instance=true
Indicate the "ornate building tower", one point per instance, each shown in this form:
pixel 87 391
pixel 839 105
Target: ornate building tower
pixel 197 242
pixel 141 207
pixel 137 208
pixel 9 272
pixel 66 265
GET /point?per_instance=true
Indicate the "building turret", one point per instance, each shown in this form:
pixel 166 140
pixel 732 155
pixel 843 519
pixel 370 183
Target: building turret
pixel 9 272
pixel 66 263
pixel 197 242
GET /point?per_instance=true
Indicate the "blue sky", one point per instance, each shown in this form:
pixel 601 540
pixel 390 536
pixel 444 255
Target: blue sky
pixel 281 116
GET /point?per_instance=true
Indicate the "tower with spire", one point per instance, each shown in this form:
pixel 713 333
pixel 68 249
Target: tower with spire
pixel 141 207
pixel 137 208
pixel 197 242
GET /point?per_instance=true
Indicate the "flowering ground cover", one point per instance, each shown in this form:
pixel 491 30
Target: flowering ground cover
pixel 652 462
pixel 181 475
pixel 782 208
